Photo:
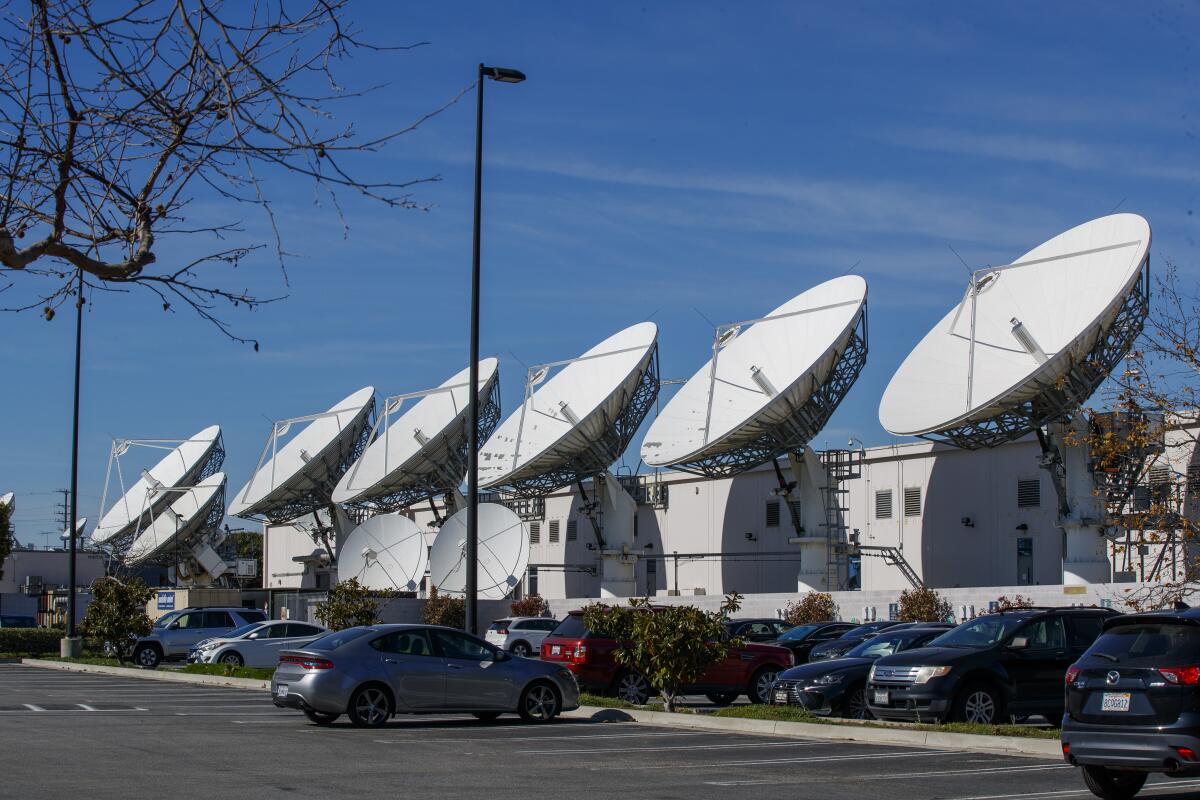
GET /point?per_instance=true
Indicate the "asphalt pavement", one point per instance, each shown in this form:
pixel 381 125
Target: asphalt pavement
pixel 66 735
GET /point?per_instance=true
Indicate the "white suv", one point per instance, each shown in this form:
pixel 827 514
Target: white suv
pixel 175 633
pixel 521 636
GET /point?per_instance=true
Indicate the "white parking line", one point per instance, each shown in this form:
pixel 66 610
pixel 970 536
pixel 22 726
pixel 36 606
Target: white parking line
pixel 783 761
pixel 667 749
pixel 548 737
pixel 85 707
pixel 32 707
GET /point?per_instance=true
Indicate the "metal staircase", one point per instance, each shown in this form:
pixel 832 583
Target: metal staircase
pixel 840 466
pixel 893 557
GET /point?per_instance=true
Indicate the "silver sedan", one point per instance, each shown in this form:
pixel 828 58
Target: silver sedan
pixel 371 673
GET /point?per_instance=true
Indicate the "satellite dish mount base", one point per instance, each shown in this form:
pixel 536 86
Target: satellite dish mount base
pixel 1081 511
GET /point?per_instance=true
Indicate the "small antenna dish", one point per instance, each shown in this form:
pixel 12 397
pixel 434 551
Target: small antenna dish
pixel 503 554
pixel 385 552
pixel 6 499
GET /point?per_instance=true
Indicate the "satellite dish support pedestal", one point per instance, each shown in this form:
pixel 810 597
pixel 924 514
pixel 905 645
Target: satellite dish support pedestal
pixel 612 515
pixel 1081 512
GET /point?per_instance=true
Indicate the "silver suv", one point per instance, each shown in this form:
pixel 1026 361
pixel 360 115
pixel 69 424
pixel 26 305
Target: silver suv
pixel 175 633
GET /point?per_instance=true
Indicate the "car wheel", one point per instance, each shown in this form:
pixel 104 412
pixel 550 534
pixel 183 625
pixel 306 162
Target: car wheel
pixel 232 659
pixel 1054 717
pixel 854 706
pixel 486 716
pixel 147 656
pixel 978 704
pixel 539 703
pixel 633 688
pixel 370 707
pixel 521 649
pixel 320 717
pixel 722 698
pixel 759 689
pixel 1112 784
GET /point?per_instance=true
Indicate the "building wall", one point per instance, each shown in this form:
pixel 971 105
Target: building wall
pixel 52 566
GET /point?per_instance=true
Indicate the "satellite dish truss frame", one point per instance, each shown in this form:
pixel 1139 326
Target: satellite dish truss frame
pixel 1058 400
pixel 444 480
pixel 801 424
pixel 318 497
pixel 204 469
pixel 211 524
pixel 600 455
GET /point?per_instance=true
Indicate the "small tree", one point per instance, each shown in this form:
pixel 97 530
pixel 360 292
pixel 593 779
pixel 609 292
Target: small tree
pixel 6 537
pixel 1017 601
pixel 444 610
pixel 671 646
pixel 533 606
pixel 117 614
pixel 924 605
pixel 812 607
pixel 348 604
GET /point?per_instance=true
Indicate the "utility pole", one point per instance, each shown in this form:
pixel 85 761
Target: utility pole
pixel 64 511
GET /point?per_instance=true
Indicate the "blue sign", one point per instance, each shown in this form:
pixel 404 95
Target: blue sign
pixel 166 601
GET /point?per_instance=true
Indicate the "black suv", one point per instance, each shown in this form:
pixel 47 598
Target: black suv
pixel 986 669
pixel 1133 702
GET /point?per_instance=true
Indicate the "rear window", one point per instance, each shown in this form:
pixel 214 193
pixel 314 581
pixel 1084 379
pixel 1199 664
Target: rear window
pixel 252 616
pixel 571 628
pixel 332 641
pixel 499 625
pixel 1151 645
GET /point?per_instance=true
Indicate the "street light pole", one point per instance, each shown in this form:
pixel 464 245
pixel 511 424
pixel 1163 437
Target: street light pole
pixel 471 554
pixel 71 645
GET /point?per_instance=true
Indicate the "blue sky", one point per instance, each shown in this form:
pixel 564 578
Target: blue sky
pixel 673 160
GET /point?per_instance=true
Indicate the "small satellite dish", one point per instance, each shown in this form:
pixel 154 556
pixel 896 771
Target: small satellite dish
pixel 503 554
pixel 385 552
pixel 1030 341
pixel 298 476
pixel 193 510
pixel 6 499
pixel 423 452
pixel 580 420
pixel 769 388
pixel 188 461
pixel 79 526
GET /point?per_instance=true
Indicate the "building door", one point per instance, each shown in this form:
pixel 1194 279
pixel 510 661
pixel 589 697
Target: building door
pixel 1025 561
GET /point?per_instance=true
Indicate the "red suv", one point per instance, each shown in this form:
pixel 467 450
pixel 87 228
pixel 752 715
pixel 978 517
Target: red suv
pixel 749 669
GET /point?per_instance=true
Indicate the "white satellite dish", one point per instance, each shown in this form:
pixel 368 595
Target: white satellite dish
pixel 80 524
pixel 193 510
pixel 298 477
pixel 503 554
pixel 421 453
pixel 385 552
pixel 1029 341
pixel 578 422
pixel 6 499
pixel 188 461
pixel 769 388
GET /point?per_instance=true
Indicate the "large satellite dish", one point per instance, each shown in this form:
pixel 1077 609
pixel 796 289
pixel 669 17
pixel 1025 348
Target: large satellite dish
pixel 385 552
pixel 421 453
pixel 189 461
pixel 1030 341
pixel 771 385
pixel 6 499
pixel 580 420
pixel 503 553
pixel 193 511
pixel 298 477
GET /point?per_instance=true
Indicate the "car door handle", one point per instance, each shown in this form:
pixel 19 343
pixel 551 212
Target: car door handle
pixel 389 661
pixel 453 666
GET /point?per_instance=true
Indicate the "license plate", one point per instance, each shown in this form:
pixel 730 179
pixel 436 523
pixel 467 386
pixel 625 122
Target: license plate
pixel 881 697
pixel 281 690
pixel 781 697
pixel 1115 701
pixel 555 650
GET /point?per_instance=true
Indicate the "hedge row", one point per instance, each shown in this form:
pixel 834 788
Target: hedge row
pixel 30 641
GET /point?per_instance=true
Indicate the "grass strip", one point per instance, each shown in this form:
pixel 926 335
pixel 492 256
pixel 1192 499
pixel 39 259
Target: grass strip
pixel 230 671
pixel 796 714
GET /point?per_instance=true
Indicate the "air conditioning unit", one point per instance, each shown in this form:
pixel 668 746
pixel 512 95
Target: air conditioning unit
pixel 32 585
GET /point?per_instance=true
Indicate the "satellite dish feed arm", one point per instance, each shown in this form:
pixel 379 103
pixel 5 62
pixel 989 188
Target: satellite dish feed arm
pixel 589 510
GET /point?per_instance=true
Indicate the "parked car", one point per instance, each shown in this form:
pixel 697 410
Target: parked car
pixel 175 633
pixel 836 687
pixel 371 673
pixel 766 629
pixel 1133 702
pixel 749 669
pixel 836 648
pixel 521 636
pixel 987 669
pixel 255 645
pixel 803 638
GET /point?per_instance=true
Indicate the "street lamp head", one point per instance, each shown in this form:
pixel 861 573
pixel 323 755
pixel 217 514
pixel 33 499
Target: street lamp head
pixel 502 74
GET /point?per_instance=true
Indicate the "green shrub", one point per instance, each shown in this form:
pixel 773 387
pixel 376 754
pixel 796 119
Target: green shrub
pixel 442 610
pixel 347 605
pixel 924 605
pixel 533 606
pixel 812 607
pixel 117 614
pixel 29 641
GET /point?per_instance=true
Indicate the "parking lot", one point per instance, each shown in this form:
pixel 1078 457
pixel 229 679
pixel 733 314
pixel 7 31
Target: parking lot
pixel 117 737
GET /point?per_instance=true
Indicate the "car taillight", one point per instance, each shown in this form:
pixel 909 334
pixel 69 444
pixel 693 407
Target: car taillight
pixel 1186 753
pixel 580 654
pixel 306 662
pixel 1183 676
pixel 1072 673
pixel 503 631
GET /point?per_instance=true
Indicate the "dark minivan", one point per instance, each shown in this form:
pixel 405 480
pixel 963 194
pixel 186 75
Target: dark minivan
pixel 986 669
pixel 1133 702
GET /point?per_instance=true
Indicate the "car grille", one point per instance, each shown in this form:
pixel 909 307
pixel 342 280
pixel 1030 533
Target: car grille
pixel 895 675
pixel 793 688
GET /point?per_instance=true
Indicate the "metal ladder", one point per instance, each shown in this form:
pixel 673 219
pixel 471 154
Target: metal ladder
pixel 840 466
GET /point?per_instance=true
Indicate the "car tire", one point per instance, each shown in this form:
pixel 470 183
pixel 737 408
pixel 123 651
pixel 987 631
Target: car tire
pixel 486 716
pixel 539 703
pixel 232 658
pixel 321 717
pixel 979 704
pixel 632 687
pixel 759 688
pixel 721 698
pixel 147 656
pixel 521 649
pixel 1112 784
pixel 370 706
pixel 854 703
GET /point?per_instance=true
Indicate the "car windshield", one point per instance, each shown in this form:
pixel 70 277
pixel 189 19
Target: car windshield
pixel 863 630
pixel 332 641
pixel 166 619
pixel 1148 645
pixel 242 631
pixel 500 625
pixel 800 632
pixel 878 646
pixel 572 627
pixel 979 633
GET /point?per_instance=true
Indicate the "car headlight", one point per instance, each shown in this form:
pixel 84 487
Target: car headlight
pixel 829 680
pixel 925 674
pixel 871 675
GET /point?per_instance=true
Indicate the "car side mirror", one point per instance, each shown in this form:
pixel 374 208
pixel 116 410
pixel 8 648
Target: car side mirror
pixel 502 655
pixel 173 626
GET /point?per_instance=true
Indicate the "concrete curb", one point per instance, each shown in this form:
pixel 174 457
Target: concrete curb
pixel 152 674
pixel 941 740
